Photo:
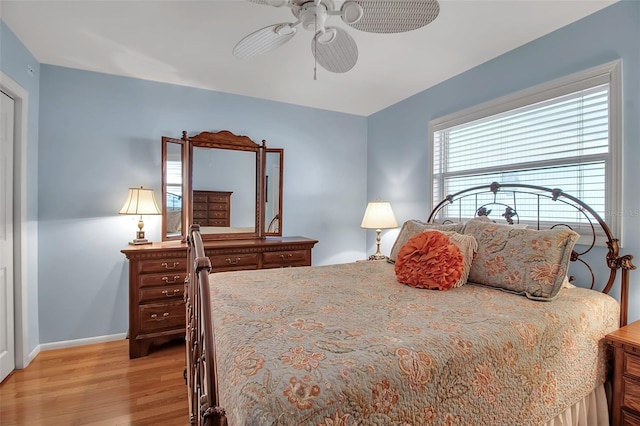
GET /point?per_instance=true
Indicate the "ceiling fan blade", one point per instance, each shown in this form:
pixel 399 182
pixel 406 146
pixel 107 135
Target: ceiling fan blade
pixel 264 40
pixel 336 50
pixel 276 3
pixel 395 16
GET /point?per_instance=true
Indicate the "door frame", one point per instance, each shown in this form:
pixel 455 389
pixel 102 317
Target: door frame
pixel 20 270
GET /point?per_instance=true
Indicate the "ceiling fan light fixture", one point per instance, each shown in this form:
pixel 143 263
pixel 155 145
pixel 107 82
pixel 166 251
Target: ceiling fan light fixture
pixel 313 16
pixel 351 12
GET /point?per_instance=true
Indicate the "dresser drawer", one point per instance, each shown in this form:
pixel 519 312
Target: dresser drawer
pixel 631 365
pixel 163 265
pixel 161 317
pixel 631 397
pixel 214 198
pixel 285 258
pixel 199 197
pixel 629 419
pixel 168 294
pixel 222 207
pixel 234 260
pixel 217 214
pixel 218 222
pixel 199 206
pixel 200 214
pixel 166 279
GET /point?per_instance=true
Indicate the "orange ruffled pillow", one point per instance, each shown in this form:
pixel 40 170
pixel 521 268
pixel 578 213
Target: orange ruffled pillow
pixel 430 260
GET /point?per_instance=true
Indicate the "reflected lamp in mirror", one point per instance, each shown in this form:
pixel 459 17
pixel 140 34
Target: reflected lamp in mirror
pixel 140 201
pixel 378 216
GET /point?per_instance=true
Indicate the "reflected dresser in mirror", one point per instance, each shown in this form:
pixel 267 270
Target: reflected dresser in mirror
pixel 212 208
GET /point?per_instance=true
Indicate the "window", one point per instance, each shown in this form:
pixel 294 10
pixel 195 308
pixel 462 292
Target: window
pixel 564 134
pixel 174 185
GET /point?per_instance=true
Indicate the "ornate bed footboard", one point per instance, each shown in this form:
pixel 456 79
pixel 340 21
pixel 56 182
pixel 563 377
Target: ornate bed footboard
pixel 201 357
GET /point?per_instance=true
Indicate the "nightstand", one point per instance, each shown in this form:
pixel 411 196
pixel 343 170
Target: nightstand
pixel 625 402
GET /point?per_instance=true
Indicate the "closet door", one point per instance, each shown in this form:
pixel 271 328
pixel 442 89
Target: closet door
pixel 7 346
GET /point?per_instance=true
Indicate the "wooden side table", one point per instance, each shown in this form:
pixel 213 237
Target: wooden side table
pixel 625 401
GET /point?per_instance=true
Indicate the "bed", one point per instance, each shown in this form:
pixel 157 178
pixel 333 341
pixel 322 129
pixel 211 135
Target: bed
pixel 350 344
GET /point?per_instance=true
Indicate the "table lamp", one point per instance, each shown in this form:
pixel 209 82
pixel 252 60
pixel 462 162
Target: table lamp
pixel 378 216
pixel 140 201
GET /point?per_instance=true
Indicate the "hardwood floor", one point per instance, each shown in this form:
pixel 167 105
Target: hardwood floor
pixel 98 385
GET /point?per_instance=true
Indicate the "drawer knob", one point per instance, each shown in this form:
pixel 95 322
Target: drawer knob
pixel 173 266
pixel 164 316
pixel 171 294
pixel 173 280
pixel 233 261
pixel 284 256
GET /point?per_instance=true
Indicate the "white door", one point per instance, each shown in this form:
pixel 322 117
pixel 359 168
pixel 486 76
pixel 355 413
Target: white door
pixel 7 348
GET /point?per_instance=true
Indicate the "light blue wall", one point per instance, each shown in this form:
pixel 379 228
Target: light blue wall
pixel 398 139
pixel 91 136
pixel 100 134
pixel 14 60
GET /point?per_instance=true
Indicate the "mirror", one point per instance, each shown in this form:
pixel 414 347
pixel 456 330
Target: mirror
pixel 224 179
pixel 223 193
pixel 273 167
pixel 228 184
pixel 173 213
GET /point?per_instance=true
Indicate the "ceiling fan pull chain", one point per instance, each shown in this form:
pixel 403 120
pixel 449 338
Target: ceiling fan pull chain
pixel 315 49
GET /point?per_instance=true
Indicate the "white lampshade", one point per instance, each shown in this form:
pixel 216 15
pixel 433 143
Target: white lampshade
pixel 140 201
pixel 378 215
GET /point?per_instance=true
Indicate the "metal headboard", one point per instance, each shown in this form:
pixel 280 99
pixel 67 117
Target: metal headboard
pixel 504 200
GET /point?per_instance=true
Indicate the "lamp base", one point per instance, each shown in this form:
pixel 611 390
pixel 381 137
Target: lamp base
pixel 140 239
pixel 378 257
pixel 139 242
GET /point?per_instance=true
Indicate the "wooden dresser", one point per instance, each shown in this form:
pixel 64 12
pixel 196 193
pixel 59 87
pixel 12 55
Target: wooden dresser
pixel 625 401
pixel 212 208
pixel 157 273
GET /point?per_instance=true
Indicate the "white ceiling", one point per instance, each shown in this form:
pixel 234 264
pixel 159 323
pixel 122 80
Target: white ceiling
pixel 189 43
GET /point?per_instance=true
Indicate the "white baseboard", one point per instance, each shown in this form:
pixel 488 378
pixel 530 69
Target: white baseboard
pixel 78 342
pixel 34 353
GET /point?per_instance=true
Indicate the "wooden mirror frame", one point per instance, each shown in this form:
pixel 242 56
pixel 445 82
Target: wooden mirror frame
pixel 268 227
pixel 222 140
pixel 166 141
pixel 227 140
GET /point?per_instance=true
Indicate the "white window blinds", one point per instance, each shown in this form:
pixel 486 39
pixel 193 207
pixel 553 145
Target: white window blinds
pixel 174 185
pixel 559 142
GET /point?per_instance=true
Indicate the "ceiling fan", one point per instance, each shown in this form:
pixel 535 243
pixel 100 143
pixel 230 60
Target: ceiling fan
pixel 333 48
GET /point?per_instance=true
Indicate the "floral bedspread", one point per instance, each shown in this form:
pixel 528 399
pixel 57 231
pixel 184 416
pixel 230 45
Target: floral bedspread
pixel 348 345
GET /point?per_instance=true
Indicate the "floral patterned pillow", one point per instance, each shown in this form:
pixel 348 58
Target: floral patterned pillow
pixel 413 227
pixel 525 261
pixel 502 223
pixel 435 260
